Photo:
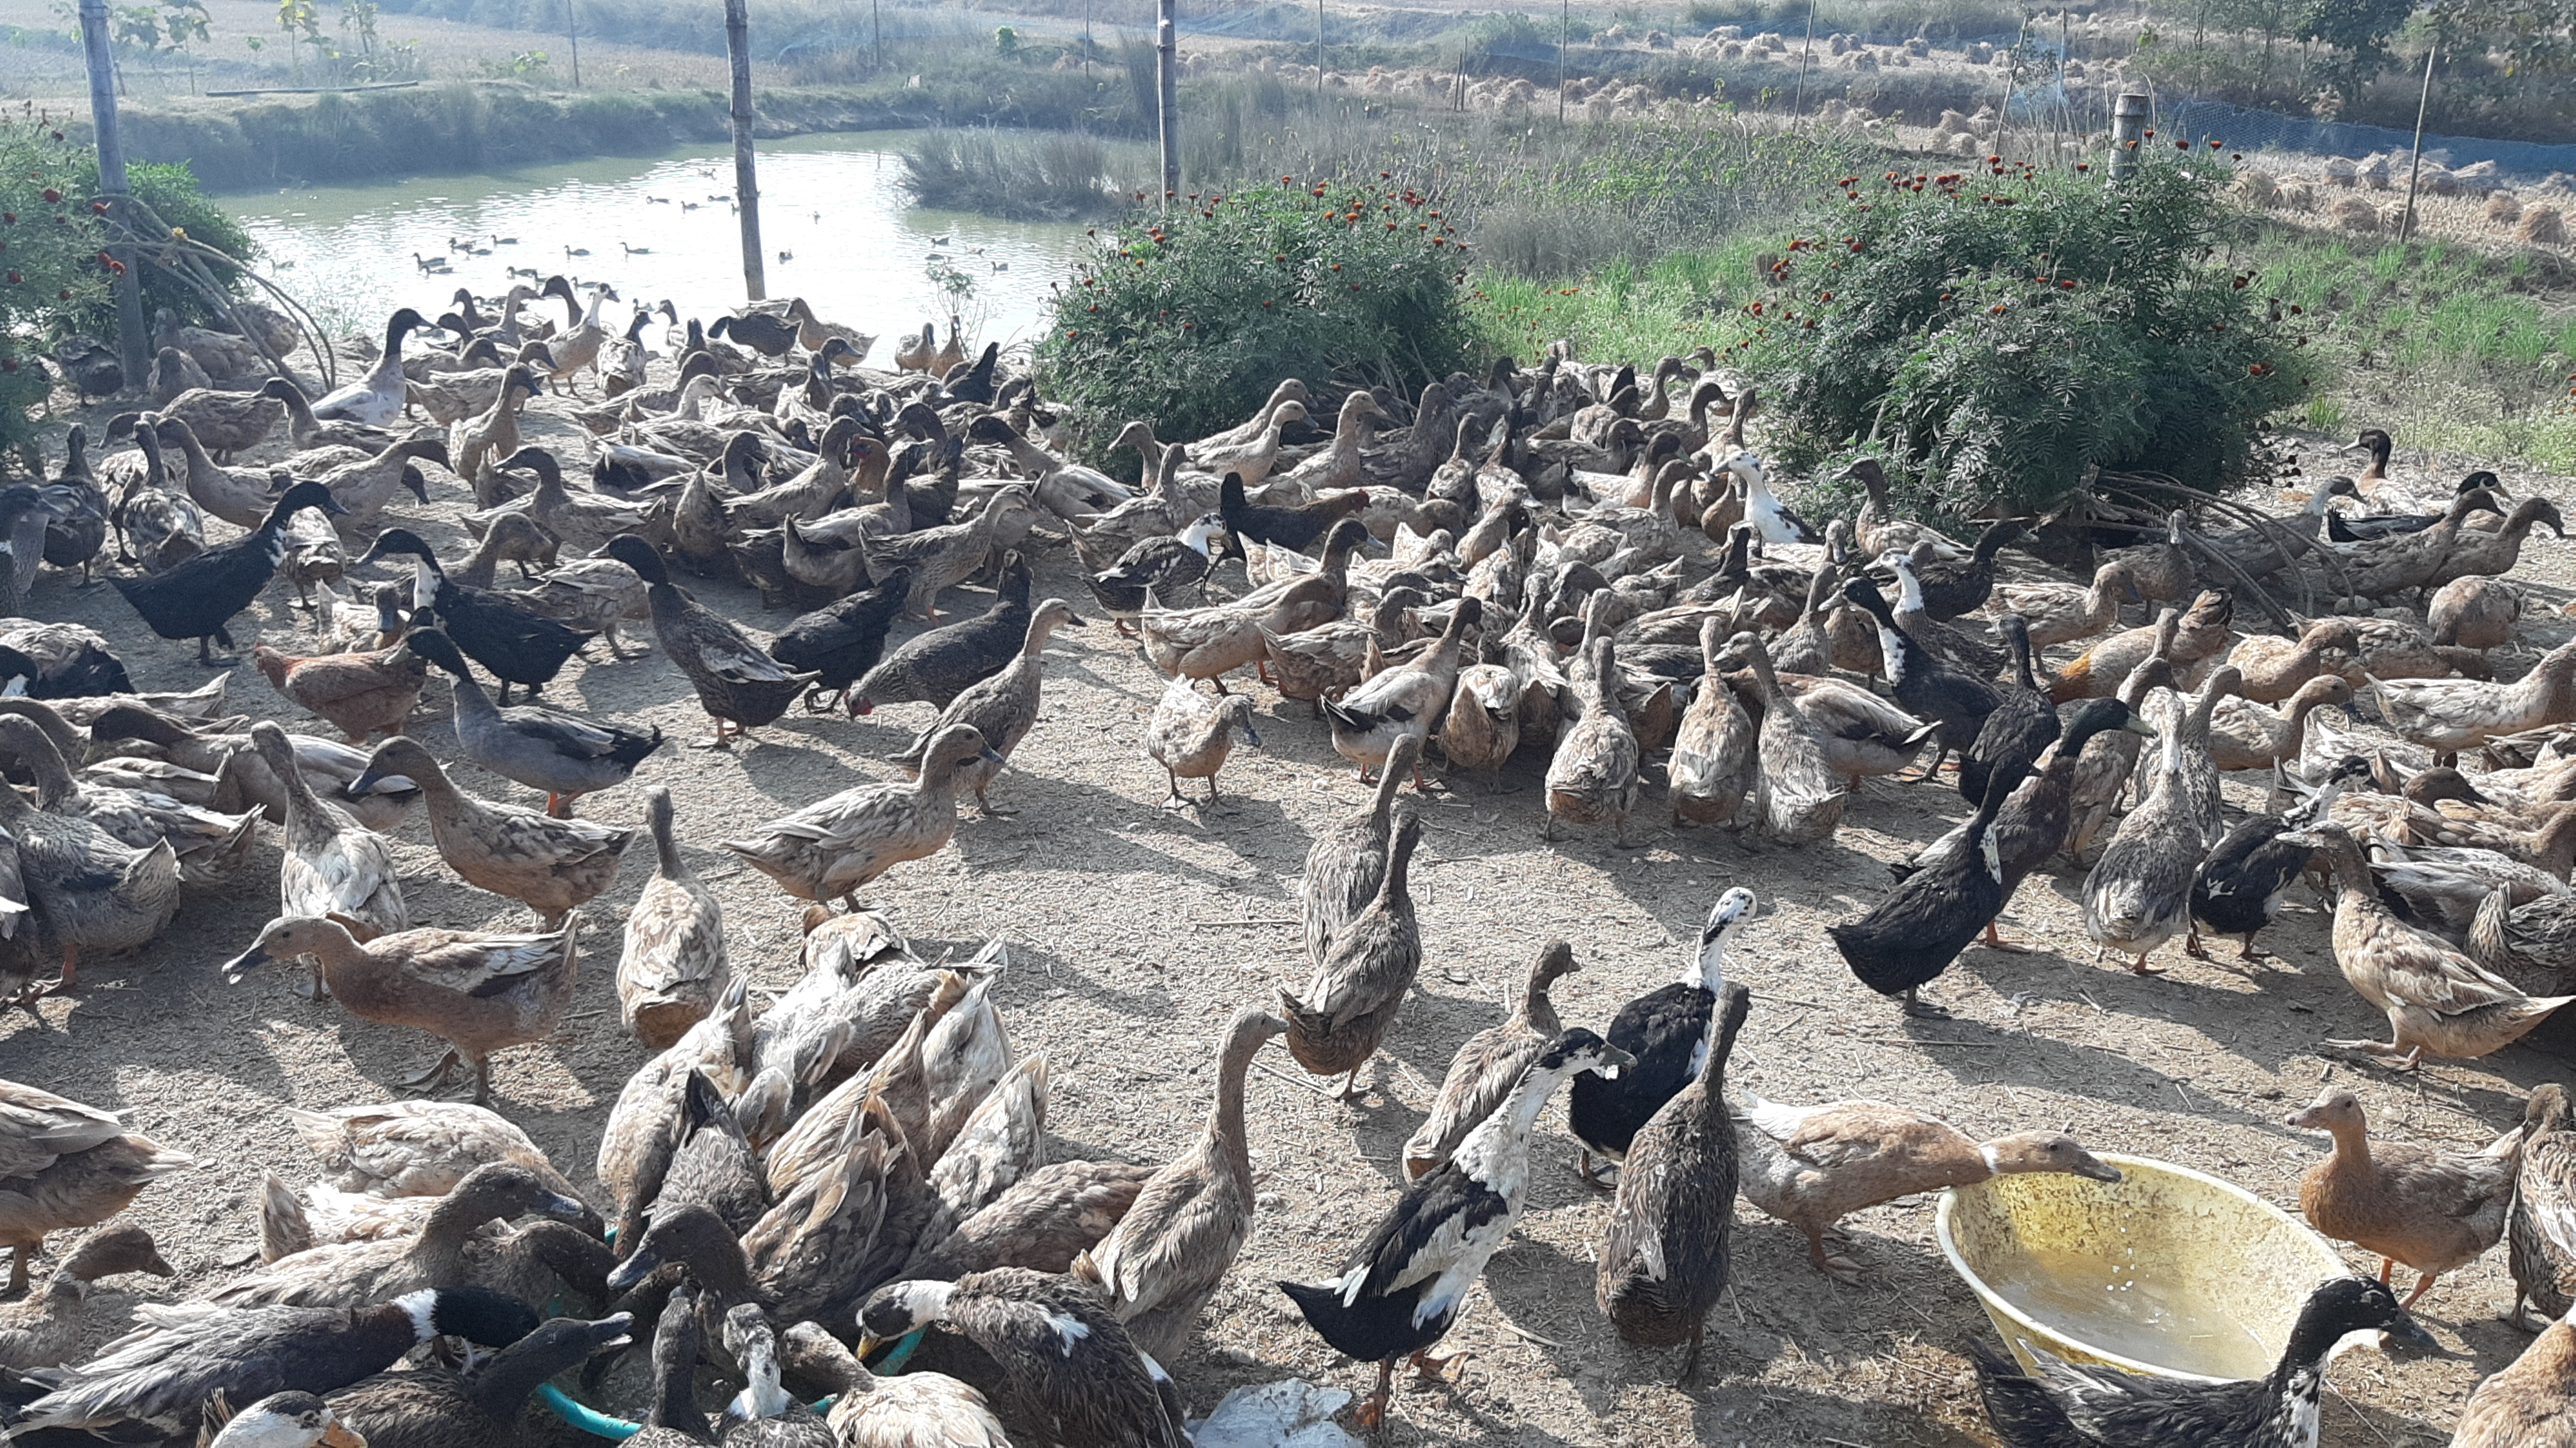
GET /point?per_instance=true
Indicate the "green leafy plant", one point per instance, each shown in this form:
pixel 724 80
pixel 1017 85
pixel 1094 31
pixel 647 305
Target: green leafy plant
pixel 1190 319
pixel 53 266
pixel 1994 332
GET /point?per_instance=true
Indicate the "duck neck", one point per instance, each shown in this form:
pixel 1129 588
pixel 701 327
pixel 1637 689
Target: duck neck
pixel 471 702
pixel 1505 1134
pixel 1225 1129
pixel 502 1385
pixel 36 750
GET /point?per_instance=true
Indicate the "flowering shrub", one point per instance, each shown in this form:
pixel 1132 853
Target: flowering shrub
pixel 1188 319
pixel 53 264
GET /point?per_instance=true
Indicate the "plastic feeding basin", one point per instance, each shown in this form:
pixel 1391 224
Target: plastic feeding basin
pixel 2167 1272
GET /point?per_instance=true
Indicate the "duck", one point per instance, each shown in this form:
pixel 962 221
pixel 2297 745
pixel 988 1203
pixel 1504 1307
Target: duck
pixel 310 432
pixel 212 847
pixel 79 528
pixel 939 558
pixel 43 1332
pixel 432 1407
pixel 2138 895
pixel 1163 567
pixel 2385 567
pixel 1665 1031
pixel 1347 862
pixel 2449 715
pixel 196 597
pixel 1171 1251
pixel 90 891
pixel 672 969
pixel 1879 528
pixel 835 845
pixel 280 1420
pixel 2436 1211
pixel 1771 519
pixel 516 644
pixel 477 443
pixel 564 754
pixel 1952 588
pixel 1715 759
pixel 222 422
pixel 1798 794
pixel 763 1415
pixel 1401 1288
pixel 583 521
pixel 587 595
pixel 1357 986
pixel 2245 735
pixel 378 400
pixel 1811 1166
pixel 163 1372
pixel 2274 668
pixel 1972 651
pixel 1192 736
pixel 2061 613
pixel 1664 1262
pixel 1490 1063
pixel 2533 942
pixel 156 528
pixel 362 693
pixel 2193 644
pixel 1297 528
pixel 2022 724
pixel 2437 999
pixel 1593 775
pixel 936 665
pixel 2237 889
pixel 2163 569
pixel 1067 1363
pixel 2494 552
pixel 71 1166
pixel 245 779
pixel 1201 643
pixel 479 993
pixel 1927 686
pixel 438 1242
pixel 890 1412
pixel 2526 1405
pixel 739 684
pixel 2074 1405
pixel 1406 699
pixel 2474 612
pixel 839 643
pixel 2540 1247
pixel 550 865
pixel 1003 708
pixel 1908 938
pixel 414 1148
pixel 331 864
pixel 673 1419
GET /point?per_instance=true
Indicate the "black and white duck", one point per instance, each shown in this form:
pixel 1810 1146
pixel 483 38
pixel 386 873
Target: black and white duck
pixel 197 597
pixel 519 645
pixel 1929 687
pixel 1066 1363
pixel 1666 1030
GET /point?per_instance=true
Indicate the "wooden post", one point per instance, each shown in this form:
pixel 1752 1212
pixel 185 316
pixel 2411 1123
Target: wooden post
pixel 1167 74
pixel 572 37
pixel 2128 123
pixel 746 184
pixel 1319 48
pixel 133 343
pixel 1564 32
pixel 2415 165
pixel 876 33
pixel 1807 56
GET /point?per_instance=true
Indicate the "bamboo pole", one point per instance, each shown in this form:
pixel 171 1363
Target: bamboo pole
pixel 133 343
pixel 2415 165
pixel 572 37
pixel 746 182
pixel 1167 75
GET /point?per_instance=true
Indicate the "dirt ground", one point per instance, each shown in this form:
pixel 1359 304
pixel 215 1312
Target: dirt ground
pixel 1135 932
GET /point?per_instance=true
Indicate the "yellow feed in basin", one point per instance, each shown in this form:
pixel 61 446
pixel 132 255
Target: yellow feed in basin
pixel 2167 1272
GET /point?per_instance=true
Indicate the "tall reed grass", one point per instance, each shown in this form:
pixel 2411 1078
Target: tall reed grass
pixel 1020 175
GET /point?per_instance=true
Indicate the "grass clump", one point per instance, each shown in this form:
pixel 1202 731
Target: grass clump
pixel 1997 331
pixel 1015 175
pixel 1191 318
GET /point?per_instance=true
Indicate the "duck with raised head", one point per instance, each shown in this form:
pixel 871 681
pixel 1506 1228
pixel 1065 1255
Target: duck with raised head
pixel 1168 1255
pixel 1003 708
pixel 378 399
pixel 1927 686
pixel 1908 938
pixel 2237 889
pixel 2061 1404
pixel 1879 528
pixel 2022 724
pixel 566 755
pixel 2436 1211
pixel 517 644
pixel 1715 754
pixel 936 665
pixel 197 597
pixel 1665 1263
pixel 550 865
pixel 673 968
pixel 2437 999
pixel 1666 1031
pixel 1593 777
pixel 163 1373
pixel 1952 588
pixel 739 684
pixel 1798 792
pixel 1401 1288
pixel 1407 699
pixel 479 993
pixel 1364 976
pixel 2540 1231
pixel 44 1331
pixel 830 848
pixel 1490 1064
pixel 2138 895
pixel 1347 861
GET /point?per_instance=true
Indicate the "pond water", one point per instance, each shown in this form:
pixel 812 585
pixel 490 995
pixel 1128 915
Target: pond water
pixel 834 206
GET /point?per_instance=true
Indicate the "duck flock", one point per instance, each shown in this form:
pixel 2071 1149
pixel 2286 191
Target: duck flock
pixel 834 1209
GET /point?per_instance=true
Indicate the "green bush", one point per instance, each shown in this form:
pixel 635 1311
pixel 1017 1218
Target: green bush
pixel 171 191
pixel 1190 319
pixel 52 267
pixel 1994 331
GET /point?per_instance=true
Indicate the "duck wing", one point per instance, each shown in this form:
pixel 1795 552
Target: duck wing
pixel 486 965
